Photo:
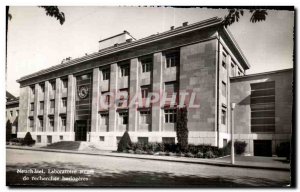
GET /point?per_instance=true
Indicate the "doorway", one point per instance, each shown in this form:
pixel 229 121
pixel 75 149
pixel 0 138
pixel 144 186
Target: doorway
pixel 80 130
pixel 263 148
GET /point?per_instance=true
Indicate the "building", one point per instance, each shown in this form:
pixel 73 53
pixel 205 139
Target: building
pixel 12 113
pixel 90 98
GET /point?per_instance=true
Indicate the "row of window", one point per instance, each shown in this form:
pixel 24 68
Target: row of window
pixel 233 64
pixel 52 85
pixel 11 113
pixel 50 122
pixel 52 104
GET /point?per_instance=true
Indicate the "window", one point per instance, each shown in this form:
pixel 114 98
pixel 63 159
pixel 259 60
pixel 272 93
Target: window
pixel 171 88
pixel 52 103
pixel 240 73
pixel 172 60
pixel 64 102
pixel 145 91
pixel 51 123
pixel 232 69
pixel 32 90
pixel 41 122
pixel 168 140
pixel 105 74
pixel 63 122
pixel 53 85
pixel 31 122
pixel 105 97
pixel 17 113
pixel 143 140
pixel 102 138
pixel 41 105
pixel 31 106
pixel 123 96
pixel 225 142
pixel 38 139
pixel 49 139
pixel 104 119
pixel 65 83
pixel 61 137
pixel 123 118
pixel 223 117
pixel 146 65
pixel 224 55
pixel 170 115
pixel 11 113
pixel 262 103
pixel 124 70
pixel 145 117
pixel 223 88
pixel 42 86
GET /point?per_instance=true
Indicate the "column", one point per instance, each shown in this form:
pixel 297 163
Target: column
pixel 70 104
pixel 157 88
pixel 46 106
pixel 57 104
pixel 113 89
pixel 95 99
pixel 36 107
pixel 133 90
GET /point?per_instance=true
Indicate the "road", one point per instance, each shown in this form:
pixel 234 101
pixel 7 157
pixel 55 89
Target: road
pixel 52 169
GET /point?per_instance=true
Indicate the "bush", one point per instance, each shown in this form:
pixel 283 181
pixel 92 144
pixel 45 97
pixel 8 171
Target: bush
pixel 125 143
pixel 181 129
pixel 8 130
pixel 283 150
pixel 209 154
pixel 189 154
pixel 199 155
pixel 239 147
pixel 28 140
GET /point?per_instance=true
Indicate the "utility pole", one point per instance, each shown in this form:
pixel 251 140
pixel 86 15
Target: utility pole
pixel 232 132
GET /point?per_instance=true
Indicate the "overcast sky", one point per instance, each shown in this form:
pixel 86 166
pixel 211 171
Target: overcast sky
pixel 36 41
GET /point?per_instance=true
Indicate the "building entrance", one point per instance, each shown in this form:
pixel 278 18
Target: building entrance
pixel 80 130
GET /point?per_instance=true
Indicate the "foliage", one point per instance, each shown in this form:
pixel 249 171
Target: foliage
pixel 28 140
pixel 283 150
pixel 181 129
pixel 8 130
pixel 125 143
pixel 53 11
pixel 234 15
pixel 239 147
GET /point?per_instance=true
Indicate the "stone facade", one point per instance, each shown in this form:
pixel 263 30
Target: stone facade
pixel 195 59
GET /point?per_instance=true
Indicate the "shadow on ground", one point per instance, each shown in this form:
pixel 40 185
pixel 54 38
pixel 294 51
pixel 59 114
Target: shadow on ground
pixel 103 177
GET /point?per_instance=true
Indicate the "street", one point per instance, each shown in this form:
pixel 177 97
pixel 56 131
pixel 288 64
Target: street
pixel 58 169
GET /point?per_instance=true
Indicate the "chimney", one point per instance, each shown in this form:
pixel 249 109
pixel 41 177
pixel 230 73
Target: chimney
pixel 172 28
pixel 185 24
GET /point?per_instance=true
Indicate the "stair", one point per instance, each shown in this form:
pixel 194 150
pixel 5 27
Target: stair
pixel 64 145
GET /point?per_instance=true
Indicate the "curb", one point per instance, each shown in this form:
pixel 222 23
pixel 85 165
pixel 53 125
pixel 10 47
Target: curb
pixel 132 156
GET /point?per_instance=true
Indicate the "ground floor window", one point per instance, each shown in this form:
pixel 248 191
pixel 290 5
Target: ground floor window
pixel 63 123
pixel 168 139
pixel 61 137
pixel 102 138
pixel 145 117
pixel 38 139
pixel 170 115
pixel 104 119
pixel 123 118
pixel 49 139
pixel 143 140
pixel 51 123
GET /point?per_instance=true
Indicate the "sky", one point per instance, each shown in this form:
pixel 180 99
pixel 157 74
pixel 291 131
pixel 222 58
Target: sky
pixel 37 41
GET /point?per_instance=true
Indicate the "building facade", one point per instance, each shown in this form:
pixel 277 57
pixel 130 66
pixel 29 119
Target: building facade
pixel 12 113
pixel 90 98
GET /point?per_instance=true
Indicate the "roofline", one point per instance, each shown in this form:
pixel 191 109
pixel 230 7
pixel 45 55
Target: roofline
pixel 229 34
pixel 263 73
pixel 124 32
pixel 110 50
pixel 12 102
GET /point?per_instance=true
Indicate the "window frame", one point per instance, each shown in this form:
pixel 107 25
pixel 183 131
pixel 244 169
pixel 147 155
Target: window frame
pixel 170 115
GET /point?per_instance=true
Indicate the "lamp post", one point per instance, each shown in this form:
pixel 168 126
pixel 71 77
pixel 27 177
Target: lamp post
pixel 232 132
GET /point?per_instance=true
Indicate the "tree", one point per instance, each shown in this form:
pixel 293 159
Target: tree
pixel 8 130
pixel 125 142
pixel 181 129
pixel 257 15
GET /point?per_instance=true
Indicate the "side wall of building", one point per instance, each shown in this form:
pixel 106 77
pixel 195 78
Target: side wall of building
pixel 241 95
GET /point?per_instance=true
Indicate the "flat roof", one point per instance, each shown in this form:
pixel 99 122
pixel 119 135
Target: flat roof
pixel 128 45
pixel 263 73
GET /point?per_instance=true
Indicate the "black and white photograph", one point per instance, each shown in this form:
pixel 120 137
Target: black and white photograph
pixel 150 96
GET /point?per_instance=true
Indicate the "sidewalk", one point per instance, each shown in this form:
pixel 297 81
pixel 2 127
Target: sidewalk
pixel 223 162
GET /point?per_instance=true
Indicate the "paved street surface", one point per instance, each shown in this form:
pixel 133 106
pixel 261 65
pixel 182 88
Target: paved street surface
pixel 57 169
